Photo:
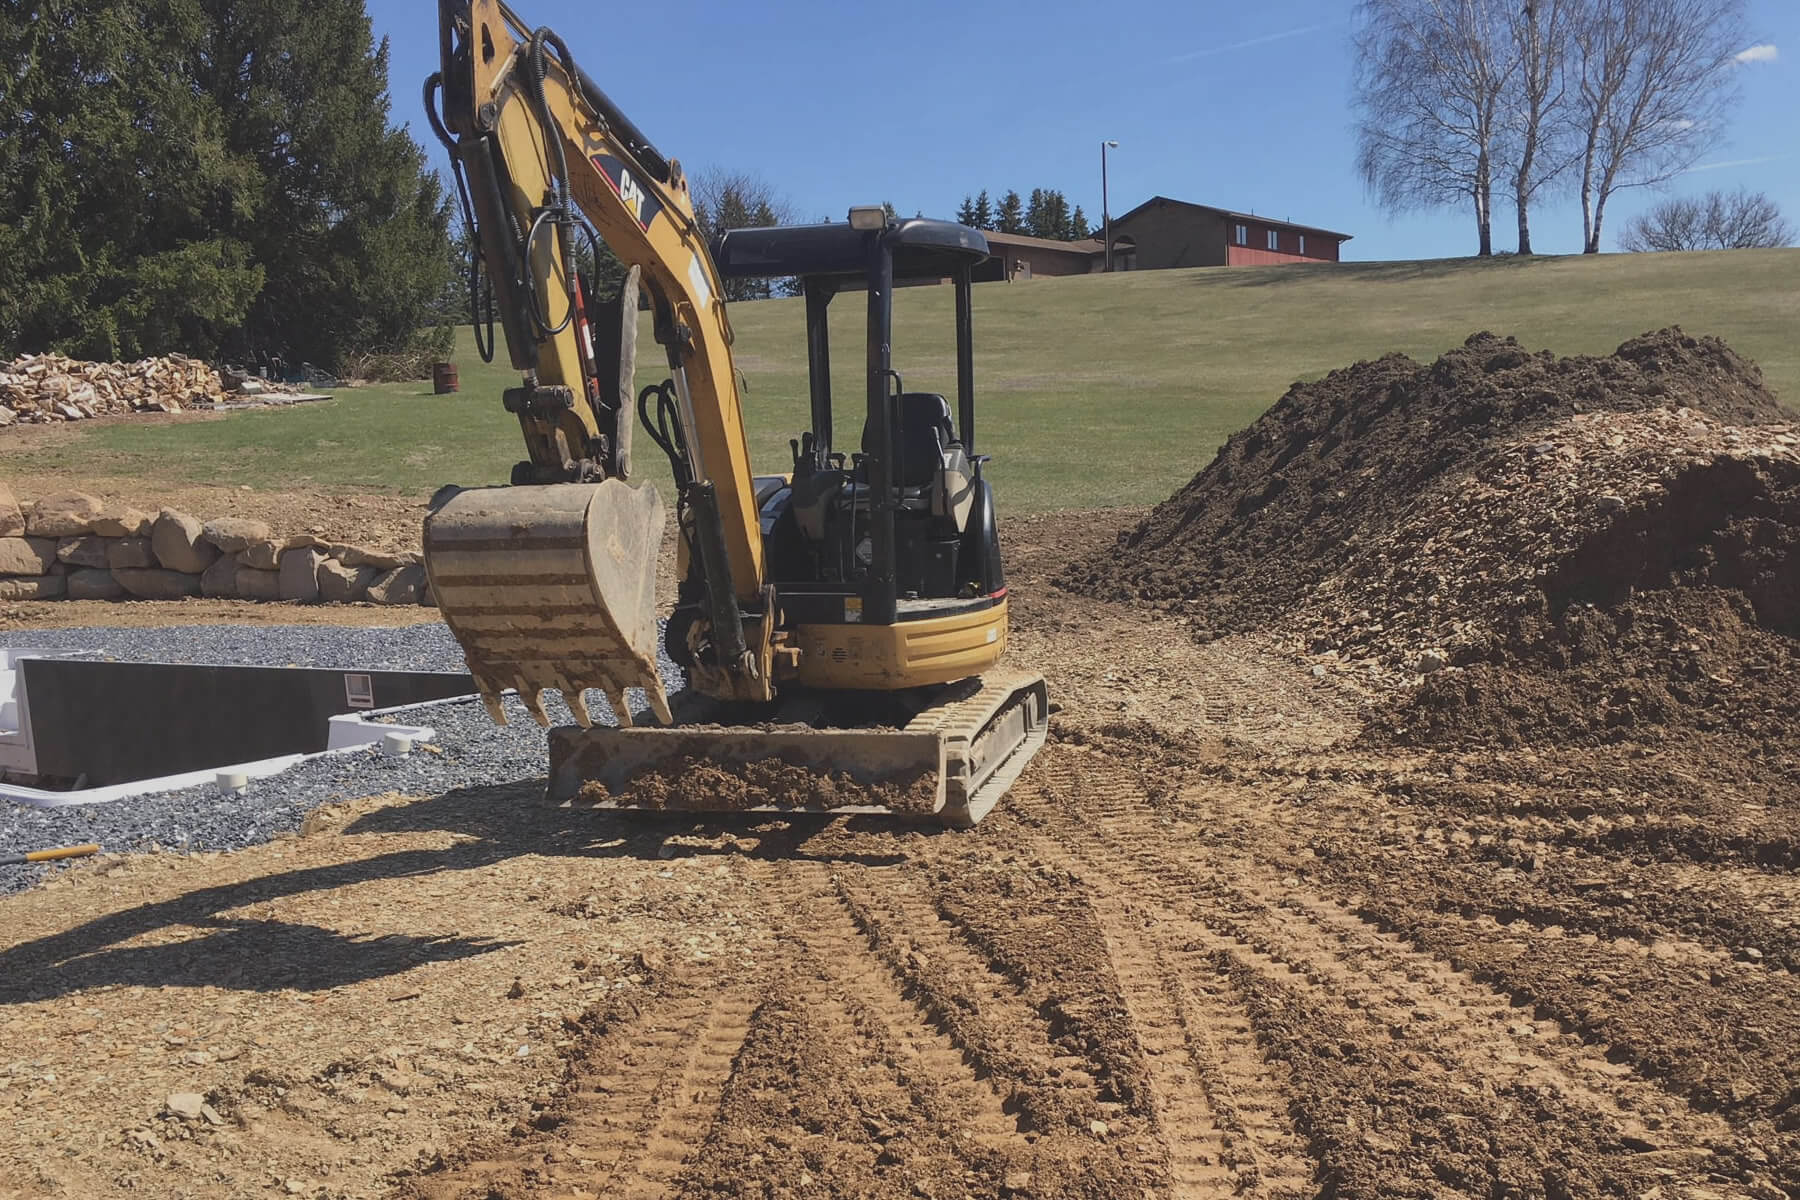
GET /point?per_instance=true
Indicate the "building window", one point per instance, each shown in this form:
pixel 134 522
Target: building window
pixel 1274 240
pixel 1303 243
pixel 1243 235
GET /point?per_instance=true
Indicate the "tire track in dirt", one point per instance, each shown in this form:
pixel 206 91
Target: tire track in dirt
pixel 640 1101
pixel 930 1064
pixel 1307 946
pixel 678 1109
pixel 1218 1105
pixel 906 928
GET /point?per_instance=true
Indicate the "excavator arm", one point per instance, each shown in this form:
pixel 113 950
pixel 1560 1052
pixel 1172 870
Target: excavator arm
pixel 549 584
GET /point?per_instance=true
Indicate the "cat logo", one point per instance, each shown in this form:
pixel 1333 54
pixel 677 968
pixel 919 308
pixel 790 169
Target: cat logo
pixel 640 203
pixel 632 195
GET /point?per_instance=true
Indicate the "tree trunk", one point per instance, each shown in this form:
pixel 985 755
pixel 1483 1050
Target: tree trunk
pixel 1522 199
pixel 1589 245
pixel 1484 207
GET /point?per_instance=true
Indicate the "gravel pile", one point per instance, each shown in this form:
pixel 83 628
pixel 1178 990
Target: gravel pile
pixel 475 750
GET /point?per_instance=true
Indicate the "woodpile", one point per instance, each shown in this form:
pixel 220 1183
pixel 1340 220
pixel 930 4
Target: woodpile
pixel 40 388
pixel 77 547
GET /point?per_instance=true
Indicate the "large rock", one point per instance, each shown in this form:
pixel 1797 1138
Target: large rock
pixel 89 583
pixel 64 514
pixel 253 584
pixel 342 584
pixel 264 555
pixel 129 552
pixel 148 583
pixel 122 520
pixel 232 534
pixel 362 556
pixel 86 551
pixel 402 585
pixel 178 541
pixel 46 587
pixel 219 581
pixel 26 556
pixel 300 574
pixel 12 521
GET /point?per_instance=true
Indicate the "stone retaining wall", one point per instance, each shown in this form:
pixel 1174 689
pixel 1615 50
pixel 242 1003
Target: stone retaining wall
pixel 75 546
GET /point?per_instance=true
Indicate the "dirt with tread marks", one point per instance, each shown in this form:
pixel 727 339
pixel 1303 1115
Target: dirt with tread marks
pixel 1214 944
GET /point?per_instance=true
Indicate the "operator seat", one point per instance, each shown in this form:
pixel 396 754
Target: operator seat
pixel 932 469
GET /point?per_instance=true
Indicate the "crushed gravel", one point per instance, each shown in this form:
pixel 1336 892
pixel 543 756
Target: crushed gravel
pixel 475 751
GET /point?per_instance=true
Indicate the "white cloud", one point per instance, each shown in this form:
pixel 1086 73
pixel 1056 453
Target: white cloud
pixel 1761 52
pixel 1258 41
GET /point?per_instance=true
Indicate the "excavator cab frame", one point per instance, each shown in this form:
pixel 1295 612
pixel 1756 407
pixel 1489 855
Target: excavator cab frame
pixel 875 254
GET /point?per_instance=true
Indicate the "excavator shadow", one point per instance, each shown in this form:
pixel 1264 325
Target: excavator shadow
pixel 515 818
pixel 240 951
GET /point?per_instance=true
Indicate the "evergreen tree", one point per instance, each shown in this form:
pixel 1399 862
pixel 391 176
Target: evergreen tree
pixel 1056 216
pixel 965 212
pixel 1011 216
pixel 984 212
pixel 210 177
pixel 887 207
pixel 1034 215
pixel 1078 225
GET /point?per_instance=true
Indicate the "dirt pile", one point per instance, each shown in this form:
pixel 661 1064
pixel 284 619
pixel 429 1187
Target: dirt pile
pixel 1296 496
pixel 1556 547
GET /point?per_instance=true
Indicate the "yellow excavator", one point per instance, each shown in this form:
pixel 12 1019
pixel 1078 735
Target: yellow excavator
pixel 839 625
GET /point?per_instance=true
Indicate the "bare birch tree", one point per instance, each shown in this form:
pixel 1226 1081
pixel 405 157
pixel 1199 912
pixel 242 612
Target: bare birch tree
pixel 1537 145
pixel 1429 85
pixel 1652 81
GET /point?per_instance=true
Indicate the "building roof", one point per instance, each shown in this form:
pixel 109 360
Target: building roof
pixel 1084 246
pixel 1232 215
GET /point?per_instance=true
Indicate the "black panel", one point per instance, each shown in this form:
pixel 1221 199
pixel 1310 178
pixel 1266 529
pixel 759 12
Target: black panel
pixel 118 722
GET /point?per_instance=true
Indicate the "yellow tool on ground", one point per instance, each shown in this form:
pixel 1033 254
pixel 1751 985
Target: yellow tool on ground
pixel 36 856
pixel 861 593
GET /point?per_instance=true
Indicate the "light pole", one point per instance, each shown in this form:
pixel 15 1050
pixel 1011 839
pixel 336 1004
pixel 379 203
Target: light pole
pixel 1105 213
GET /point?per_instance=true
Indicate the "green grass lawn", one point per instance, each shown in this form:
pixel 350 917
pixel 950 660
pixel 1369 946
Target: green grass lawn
pixel 1094 390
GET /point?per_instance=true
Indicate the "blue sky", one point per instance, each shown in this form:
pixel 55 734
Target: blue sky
pixel 1240 106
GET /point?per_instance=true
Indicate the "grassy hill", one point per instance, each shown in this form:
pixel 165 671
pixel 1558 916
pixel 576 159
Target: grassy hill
pixel 1094 390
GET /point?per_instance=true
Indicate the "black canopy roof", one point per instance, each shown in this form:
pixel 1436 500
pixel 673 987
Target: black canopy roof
pixel 922 249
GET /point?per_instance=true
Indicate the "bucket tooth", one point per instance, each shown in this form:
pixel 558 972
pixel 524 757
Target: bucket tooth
pixel 576 699
pixel 534 702
pixel 490 700
pixel 620 708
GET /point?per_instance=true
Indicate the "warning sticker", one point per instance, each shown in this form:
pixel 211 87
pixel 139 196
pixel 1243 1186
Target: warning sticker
pixel 359 691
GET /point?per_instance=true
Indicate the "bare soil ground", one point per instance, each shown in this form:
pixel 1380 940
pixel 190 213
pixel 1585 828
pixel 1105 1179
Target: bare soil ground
pixel 1209 946
pixel 1248 926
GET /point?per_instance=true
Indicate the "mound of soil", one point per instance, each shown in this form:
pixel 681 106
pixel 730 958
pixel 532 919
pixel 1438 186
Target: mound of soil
pixel 1294 498
pixel 1524 549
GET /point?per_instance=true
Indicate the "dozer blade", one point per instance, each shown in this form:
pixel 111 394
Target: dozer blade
pixel 552 587
pixel 952 763
pixel 737 769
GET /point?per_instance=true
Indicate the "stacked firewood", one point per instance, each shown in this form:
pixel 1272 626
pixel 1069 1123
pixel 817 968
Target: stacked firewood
pixel 39 388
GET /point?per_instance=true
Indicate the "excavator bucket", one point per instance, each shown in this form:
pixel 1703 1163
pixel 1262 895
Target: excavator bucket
pixel 950 764
pixel 552 587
